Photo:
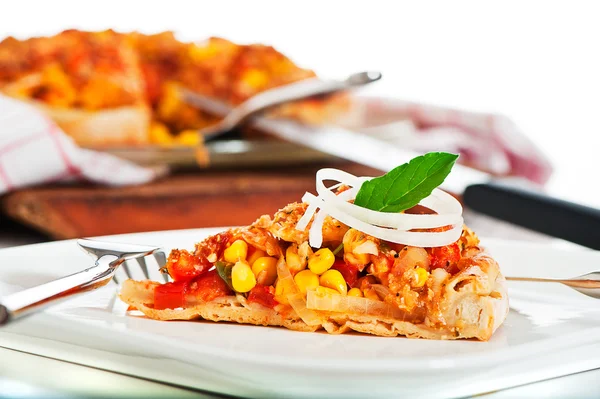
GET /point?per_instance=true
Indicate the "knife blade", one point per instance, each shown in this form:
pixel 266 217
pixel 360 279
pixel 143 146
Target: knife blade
pixel 518 202
pixel 362 149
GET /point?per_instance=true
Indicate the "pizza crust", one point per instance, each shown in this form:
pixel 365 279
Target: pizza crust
pixel 474 310
pixel 127 125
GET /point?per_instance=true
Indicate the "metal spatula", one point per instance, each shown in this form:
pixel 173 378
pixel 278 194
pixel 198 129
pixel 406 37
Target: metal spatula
pixel 268 99
pixel 108 257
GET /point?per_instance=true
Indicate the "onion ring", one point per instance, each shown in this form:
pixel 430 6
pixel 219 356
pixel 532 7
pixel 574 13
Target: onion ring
pixel 393 227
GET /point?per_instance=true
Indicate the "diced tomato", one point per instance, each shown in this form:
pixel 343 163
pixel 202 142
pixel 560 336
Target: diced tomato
pixel 445 257
pixel 349 272
pixel 264 295
pixel 212 247
pixel 184 266
pixel 210 286
pixel 170 295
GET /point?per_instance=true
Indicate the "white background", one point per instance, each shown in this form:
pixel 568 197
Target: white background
pixel 537 62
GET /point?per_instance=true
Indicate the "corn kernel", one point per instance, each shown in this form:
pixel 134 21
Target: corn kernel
pixel 188 138
pixel 257 253
pixel 371 294
pixel 321 261
pixel 355 292
pixel 170 101
pixel 242 278
pixel 293 260
pixel 281 292
pixel 324 291
pixel 159 134
pixel 333 279
pixel 306 280
pixel 201 53
pixel 421 276
pixel 265 270
pixel 237 251
pixel 255 78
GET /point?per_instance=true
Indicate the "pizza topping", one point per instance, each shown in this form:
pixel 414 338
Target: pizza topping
pixel 224 271
pixel 170 295
pixel 209 286
pixel 264 295
pixel 348 271
pixel 333 279
pixel 415 183
pixel 446 257
pixel 183 266
pixel 238 250
pixel 242 278
pixel 321 261
pixel 265 270
pixel 332 302
pixel 254 254
pixel 306 280
pixel 403 187
pixel 210 250
pixel 309 316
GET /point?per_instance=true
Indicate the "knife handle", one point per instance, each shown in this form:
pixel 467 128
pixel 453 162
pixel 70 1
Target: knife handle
pixel 552 216
pixel 5 315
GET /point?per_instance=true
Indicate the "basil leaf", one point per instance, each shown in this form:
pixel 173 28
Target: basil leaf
pixel 224 271
pixel 404 186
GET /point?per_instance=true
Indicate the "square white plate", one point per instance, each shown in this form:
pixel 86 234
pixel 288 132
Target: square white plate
pixel 551 331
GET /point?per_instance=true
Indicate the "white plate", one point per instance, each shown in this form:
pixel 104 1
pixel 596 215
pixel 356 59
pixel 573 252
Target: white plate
pixel 551 331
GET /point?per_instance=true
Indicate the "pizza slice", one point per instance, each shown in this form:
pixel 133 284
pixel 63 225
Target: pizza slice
pixel 89 83
pixel 386 256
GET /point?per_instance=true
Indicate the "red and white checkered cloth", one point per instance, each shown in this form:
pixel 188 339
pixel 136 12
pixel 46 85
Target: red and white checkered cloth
pixel 488 142
pixel 33 150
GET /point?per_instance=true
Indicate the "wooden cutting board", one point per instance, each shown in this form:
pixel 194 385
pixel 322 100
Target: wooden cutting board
pixel 182 201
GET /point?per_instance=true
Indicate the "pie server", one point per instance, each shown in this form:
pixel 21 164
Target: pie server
pixel 517 202
pixel 108 257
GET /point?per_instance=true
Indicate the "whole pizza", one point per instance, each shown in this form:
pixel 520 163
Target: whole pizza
pixel 109 88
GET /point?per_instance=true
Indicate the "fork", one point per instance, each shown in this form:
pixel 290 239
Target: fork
pixel 108 256
pixel 587 284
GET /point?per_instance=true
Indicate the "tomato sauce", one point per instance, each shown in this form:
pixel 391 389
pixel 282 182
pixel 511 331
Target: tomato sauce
pixel 264 295
pixel 445 257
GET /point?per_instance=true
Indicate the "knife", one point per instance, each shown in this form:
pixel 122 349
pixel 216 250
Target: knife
pixel 517 202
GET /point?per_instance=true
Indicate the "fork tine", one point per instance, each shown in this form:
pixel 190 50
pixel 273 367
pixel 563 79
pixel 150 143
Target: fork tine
pixel 125 268
pixel 143 266
pixel 115 279
pixel 161 259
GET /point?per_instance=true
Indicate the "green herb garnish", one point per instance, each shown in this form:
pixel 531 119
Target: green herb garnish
pixel 224 270
pixel 404 186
